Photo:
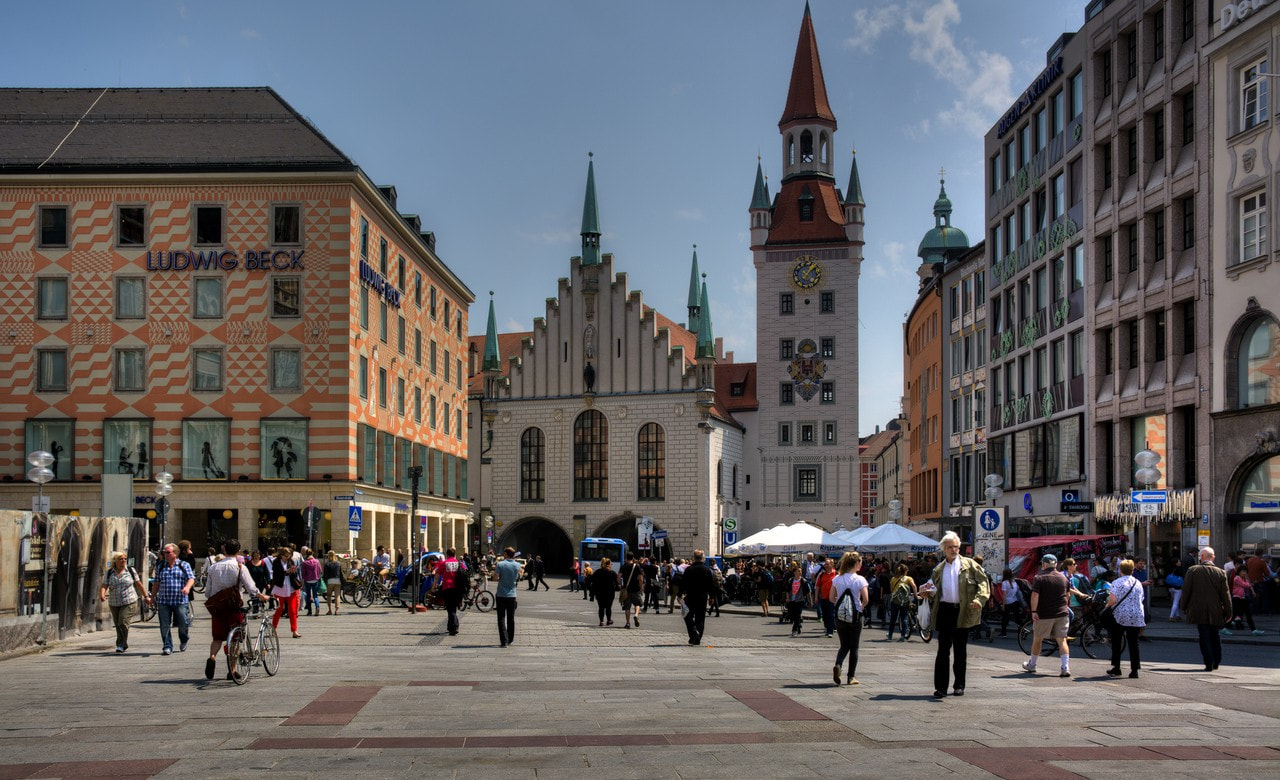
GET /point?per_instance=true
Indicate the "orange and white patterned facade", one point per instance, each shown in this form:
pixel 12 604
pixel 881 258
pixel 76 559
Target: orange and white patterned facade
pixel 274 339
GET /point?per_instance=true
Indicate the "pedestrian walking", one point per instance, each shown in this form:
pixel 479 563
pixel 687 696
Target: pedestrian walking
pixel 1173 581
pixel 575 575
pixel 1206 601
pixel 632 575
pixel 286 585
pixel 797 595
pixel 957 589
pixel 1050 614
pixel 312 572
pixel 332 573
pixel 604 584
pixel 509 571
pixel 539 572
pixel 227 574
pixel 696 583
pixel 171 593
pixel 902 598
pixel 1127 619
pixel 827 607
pixel 850 597
pixel 452 580
pixel 122 589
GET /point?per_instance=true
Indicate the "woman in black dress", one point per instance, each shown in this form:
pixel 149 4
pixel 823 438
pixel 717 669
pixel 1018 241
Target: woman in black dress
pixel 604 584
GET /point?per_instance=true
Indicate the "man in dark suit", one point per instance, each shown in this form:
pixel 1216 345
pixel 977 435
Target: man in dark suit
pixel 1206 601
pixel 696 583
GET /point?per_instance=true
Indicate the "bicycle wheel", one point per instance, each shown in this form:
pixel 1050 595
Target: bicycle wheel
pixel 145 611
pixel 485 600
pixel 362 596
pixel 269 648
pixel 201 581
pixel 925 632
pixel 1026 632
pixel 239 665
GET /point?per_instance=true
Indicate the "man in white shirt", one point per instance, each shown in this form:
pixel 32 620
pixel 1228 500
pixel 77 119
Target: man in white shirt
pixel 959 590
pixel 226 573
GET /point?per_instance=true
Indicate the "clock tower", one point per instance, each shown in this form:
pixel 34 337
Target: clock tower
pixel 806 244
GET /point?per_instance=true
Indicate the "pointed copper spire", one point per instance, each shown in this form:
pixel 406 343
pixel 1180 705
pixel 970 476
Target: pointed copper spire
pixel 807 96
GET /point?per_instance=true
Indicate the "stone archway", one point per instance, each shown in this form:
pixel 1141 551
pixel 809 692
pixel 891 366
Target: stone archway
pixel 539 536
pixel 66 595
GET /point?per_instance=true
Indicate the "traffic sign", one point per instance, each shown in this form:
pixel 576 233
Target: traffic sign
pixel 1149 496
pixel 731 524
pixel 344 498
pixel 1148 510
pixel 989 519
pixel 355 519
pixel 730 537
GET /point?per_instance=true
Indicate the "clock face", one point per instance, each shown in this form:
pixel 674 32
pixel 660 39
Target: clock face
pixel 807 272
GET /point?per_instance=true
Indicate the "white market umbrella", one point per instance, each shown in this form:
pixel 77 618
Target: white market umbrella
pixel 892 537
pixel 784 539
pixel 852 535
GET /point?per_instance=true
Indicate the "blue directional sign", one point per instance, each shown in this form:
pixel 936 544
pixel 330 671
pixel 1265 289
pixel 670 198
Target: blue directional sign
pixel 730 537
pixel 1149 496
pixel 355 519
pixel 659 535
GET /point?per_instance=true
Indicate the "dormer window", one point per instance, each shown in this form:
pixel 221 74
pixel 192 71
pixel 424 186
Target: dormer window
pixel 806 205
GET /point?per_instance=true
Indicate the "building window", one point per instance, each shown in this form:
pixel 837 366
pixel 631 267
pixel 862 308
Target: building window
pixel 401 340
pixel 417 290
pixel 786 348
pixel 431 303
pixel 383 324
pixel 417 347
pixel 286 296
pixel 446 366
pixel 382 258
pixel 431 412
pixel 590 457
pixel 1059 195
pixel 51 370
pixel 808 433
pixel 382 387
pixel 786 394
pixel 1253 95
pixel 283 448
pixel 1077 267
pixel 1157 35
pixel 1077 354
pixel 784 434
pixel 1131 257
pixel 1157 134
pixel 131 226
pixel 208 225
pixel 206 369
pixel 1188 117
pixel 286 370
pixel 131 298
pixel 1108 258
pixel 364 239
pixel 206 296
pixel 829 433
pixel 417 404
pixel 786 303
pixel 1157 238
pixel 126 448
pixel 828 392
pixel 363 377
pixel 53 226
pixel 1077 94
pixel 51 298
pixel 826 302
pixel 533 456
pixel 130 370
pixel 206 447
pixel 651 455
pixel 1059 108
pixel 1157 325
pixel 1188 327
pixel 828 348
pixel 286 225
pixel 1253 225
pixel 1104 72
pixel 1258 364
pixel 364 308
pixel 431 357
pixel 400 396
pixel 400 273
pixel 1131 55
pixel 1108 168
pixel 446 317
pixel 807 484
pixel 1188 221
pixel 1131 151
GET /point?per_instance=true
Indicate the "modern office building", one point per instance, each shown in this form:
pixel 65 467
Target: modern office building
pixel 197 282
pixel 964 413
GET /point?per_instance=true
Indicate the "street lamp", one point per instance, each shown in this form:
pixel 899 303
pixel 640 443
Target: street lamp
pixel 1147 475
pixel 994 493
pixel 164 488
pixel 40 473
pixel 895 510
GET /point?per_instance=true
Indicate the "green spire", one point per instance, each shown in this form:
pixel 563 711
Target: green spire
pixel 854 198
pixel 942 206
pixel 590 219
pixel 706 341
pixel 492 360
pixel 760 198
pixel 695 305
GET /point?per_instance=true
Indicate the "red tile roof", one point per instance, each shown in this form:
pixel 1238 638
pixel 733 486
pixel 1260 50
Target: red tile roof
pixel 828 215
pixel 807 96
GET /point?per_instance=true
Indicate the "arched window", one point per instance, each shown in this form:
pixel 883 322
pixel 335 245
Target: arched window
pixel 651 462
pixel 720 478
pixel 590 457
pixel 734 485
pixel 806 147
pixel 533 460
pixel 824 149
pixel 791 150
pixel 1258 363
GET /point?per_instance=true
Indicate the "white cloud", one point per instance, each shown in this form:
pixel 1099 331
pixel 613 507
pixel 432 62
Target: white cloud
pixel 690 215
pixel 184 41
pixel 250 34
pixel 513 325
pixel 869 25
pixel 891 262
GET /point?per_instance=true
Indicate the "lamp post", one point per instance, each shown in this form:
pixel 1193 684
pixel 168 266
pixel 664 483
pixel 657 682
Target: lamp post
pixel 994 493
pixel 1147 475
pixel 40 473
pixel 164 487
pixel 415 554
pixel 895 510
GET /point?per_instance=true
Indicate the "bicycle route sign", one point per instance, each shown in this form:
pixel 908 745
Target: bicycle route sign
pixel 355 519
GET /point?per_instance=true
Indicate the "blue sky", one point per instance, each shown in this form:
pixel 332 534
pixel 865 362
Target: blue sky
pixel 482 114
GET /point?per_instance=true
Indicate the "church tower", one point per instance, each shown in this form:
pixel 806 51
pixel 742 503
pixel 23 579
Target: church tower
pixel 807 251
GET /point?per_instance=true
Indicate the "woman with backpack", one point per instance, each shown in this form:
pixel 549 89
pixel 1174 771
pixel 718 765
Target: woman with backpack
pixel 849 594
pixel 902 590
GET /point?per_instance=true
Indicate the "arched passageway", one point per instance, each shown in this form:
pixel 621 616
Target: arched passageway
pixel 539 536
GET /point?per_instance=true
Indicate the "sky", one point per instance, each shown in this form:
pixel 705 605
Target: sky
pixel 482 114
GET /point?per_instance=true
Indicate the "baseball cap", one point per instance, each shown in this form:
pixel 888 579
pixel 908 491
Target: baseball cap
pixel 1050 558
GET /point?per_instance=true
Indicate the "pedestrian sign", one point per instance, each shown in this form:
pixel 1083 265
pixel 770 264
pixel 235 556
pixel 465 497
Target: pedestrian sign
pixel 355 519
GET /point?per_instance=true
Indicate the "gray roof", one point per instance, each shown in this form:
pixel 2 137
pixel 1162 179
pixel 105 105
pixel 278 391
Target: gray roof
pixel 219 129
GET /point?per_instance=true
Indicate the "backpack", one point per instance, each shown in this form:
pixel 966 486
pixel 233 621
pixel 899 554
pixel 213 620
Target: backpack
pixel 461 577
pixel 901 596
pixel 846 612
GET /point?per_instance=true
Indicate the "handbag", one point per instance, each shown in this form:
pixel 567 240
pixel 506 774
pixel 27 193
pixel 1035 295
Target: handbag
pixel 323 587
pixel 1108 612
pixel 226 600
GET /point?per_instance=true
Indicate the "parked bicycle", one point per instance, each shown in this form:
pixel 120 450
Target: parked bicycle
pixel 913 622
pixel 1086 629
pixel 246 650
pixel 479 596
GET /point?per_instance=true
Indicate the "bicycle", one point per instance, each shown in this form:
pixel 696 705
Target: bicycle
pixel 913 622
pixel 202 579
pixel 479 596
pixel 244 653
pixel 1086 631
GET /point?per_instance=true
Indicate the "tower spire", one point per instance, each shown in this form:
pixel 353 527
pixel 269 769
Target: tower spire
pixel 854 198
pixel 590 218
pixel 706 341
pixel 694 304
pixel 492 360
pixel 807 95
pixel 760 197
